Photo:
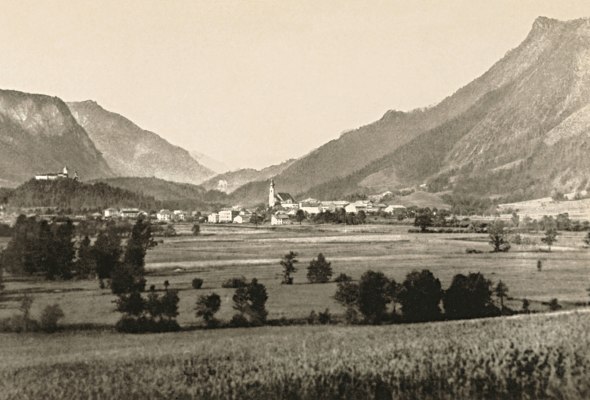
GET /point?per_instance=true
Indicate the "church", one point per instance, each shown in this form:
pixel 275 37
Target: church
pixel 276 199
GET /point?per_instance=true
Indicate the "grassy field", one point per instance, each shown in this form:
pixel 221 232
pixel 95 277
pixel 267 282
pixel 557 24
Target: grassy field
pixel 224 252
pixel 541 356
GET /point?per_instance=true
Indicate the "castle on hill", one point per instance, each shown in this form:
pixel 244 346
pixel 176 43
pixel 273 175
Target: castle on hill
pixel 64 174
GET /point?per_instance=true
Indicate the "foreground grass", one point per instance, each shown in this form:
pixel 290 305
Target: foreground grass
pixel 537 356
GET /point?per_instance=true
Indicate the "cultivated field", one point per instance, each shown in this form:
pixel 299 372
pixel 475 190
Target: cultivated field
pixel 223 252
pixel 541 356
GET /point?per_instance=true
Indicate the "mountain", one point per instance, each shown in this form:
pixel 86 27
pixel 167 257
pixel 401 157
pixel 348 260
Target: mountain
pixel 214 165
pixel 175 194
pixel 230 181
pixel 132 151
pixel 520 130
pixel 38 134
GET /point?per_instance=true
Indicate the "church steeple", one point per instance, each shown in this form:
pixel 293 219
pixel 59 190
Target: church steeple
pixel 271 194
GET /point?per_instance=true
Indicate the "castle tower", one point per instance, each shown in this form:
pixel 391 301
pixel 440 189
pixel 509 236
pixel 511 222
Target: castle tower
pixel 271 194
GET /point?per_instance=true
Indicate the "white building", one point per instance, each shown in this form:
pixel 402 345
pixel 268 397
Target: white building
pixel 284 200
pixel 213 218
pixel 53 176
pixel 227 215
pixel 394 208
pixel 111 213
pixel 280 219
pixel 242 219
pixel 179 215
pixel 130 213
pixel 164 215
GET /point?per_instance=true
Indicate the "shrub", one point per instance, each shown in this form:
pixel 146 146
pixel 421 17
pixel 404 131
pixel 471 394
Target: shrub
pixel 343 278
pixel 312 319
pixel 473 251
pixel 554 305
pixel 49 318
pixel 325 317
pixel 239 320
pixel 197 283
pixel 234 283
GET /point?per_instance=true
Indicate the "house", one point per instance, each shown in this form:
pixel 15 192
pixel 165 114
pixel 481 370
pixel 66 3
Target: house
pixel 164 215
pixel 310 206
pixel 332 205
pixel 280 219
pixel 361 205
pixel 227 215
pixel 179 215
pixel 213 218
pixel 111 213
pixel 242 219
pixel 394 208
pixel 129 213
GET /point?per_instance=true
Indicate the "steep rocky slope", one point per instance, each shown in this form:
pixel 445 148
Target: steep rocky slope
pixel 132 151
pixel 38 134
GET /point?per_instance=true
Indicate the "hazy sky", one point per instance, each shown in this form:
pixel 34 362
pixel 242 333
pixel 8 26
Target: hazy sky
pixel 256 82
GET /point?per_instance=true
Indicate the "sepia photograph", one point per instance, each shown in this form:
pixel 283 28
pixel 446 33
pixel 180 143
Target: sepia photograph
pixel 295 199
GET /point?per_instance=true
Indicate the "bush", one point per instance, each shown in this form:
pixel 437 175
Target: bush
pixel 146 325
pixel 50 316
pixel 239 320
pixel 325 317
pixel 343 278
pixel 473 251
pixel 197 283
pixel 554 305
pixel 312 319
pixel 234 283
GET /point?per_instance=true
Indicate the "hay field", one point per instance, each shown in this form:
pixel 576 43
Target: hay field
pixel 524 357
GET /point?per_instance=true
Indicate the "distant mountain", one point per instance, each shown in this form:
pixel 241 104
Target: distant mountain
pixel 38 134
pixel 230 181
pixel 521 130
pixel 132 151
pixel 214 165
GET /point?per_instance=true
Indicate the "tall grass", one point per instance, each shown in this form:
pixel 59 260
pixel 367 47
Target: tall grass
pixel 531 357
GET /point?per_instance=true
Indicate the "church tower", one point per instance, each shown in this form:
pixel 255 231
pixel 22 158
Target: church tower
pixel 271 194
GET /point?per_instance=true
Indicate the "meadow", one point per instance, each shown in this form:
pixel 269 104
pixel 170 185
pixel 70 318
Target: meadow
pixel 222 252
pixel 538 356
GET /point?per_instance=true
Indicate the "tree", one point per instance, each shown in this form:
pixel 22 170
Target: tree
pixel 207 306
pixel 501 291
pixel 373 296
pixel 85 263
pixel 361 217
pixel 169 305
pixel 288 263
pixel 423 219
pixel 319 270
pixel 196 229
pixel 498 237
pixel 300 216
pixel 550 237
pixel 587 238
pixel 469 297
pixel 106 252
pixel 139 242
pixel 420 296
pixel 250 302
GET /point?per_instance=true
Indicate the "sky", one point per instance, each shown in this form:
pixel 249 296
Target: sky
pixel 253 82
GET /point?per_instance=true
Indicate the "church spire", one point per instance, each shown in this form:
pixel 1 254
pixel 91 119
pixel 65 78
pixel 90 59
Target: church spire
pixel 271 194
